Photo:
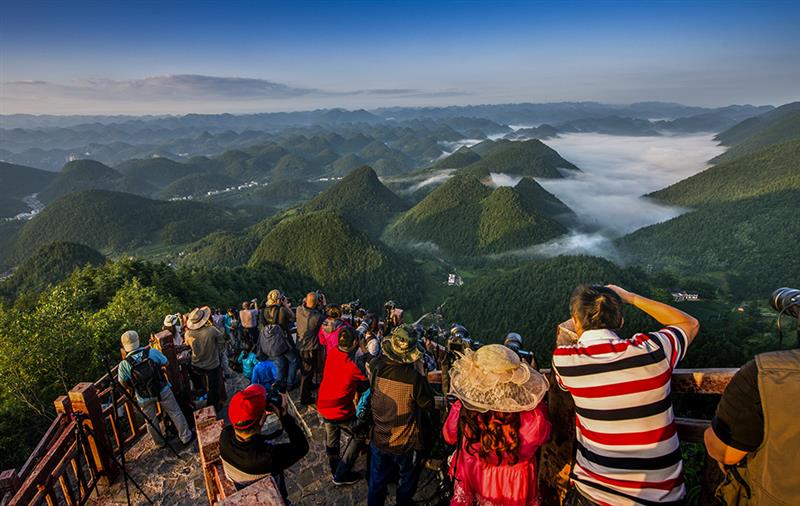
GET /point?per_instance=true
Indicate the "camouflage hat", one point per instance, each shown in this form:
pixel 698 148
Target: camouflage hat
pixel 401 346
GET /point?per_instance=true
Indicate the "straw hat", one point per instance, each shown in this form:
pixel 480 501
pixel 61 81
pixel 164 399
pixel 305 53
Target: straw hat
pixel 401 346
pixel 495 379
pixel 198 317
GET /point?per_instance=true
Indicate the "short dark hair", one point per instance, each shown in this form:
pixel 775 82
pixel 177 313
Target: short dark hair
pixel 596 307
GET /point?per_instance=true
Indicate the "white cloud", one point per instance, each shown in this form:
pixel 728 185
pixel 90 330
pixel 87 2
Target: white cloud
pixel 618 170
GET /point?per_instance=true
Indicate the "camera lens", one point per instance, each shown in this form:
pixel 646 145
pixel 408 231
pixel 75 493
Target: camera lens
pixel 786 301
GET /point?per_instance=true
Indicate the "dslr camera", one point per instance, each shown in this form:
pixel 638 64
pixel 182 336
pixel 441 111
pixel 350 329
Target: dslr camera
pixel 460 340
pixel 786 301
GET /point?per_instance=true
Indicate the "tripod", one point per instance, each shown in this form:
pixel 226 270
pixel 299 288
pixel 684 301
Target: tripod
pixel 80 438
pixel 114 384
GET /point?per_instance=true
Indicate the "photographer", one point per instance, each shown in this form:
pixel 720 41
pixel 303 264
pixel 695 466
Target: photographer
pixel 248 319
pixel 207 343
pixel 621 389
pixel 247 455
pixel 309 320
pixel 754 434
pixel 400 401
pixel 275 340
pixel 341 379
pixel 278 311
pixel 141 370
pixel 329 331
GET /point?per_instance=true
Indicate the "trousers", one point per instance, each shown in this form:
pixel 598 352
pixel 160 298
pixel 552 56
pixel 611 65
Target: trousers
pixel 169 406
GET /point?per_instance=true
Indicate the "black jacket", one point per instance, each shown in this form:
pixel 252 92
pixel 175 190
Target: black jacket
pixel 248 461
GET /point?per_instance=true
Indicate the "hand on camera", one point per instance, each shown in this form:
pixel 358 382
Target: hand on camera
pixel 281 409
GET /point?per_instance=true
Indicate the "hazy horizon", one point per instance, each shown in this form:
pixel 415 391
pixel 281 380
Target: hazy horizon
pixel 172 58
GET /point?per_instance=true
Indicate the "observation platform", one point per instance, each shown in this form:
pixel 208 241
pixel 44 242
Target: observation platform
pixel 64 471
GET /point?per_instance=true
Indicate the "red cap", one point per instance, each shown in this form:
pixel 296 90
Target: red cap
pixel 247 407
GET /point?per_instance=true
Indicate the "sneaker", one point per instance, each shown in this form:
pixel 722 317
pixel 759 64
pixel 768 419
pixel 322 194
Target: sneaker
pixel 349 478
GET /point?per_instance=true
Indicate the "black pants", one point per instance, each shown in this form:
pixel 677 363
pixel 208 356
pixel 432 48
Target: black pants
pixel 250 335
pixel 210 379
pixel 308 366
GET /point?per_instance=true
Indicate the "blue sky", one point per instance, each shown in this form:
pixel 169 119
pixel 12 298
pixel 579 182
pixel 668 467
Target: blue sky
pixel 200 56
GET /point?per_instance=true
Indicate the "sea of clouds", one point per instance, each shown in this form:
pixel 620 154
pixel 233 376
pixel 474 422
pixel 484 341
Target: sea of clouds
pixel 618 170
pixel 607 194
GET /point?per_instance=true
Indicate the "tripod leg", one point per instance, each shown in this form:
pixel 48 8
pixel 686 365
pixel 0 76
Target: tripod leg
pixel 125 474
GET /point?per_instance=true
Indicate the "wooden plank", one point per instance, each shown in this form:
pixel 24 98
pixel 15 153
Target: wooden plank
pixel 43 470
pixel 53 432
pixel 85 401
pixel 225 487
pixel 264 492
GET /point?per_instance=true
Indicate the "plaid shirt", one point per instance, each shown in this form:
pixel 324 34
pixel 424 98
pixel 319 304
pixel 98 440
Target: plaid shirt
pixel 398 396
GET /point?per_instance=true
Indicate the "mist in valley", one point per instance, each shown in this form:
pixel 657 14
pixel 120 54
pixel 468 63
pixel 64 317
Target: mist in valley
pixel 606 196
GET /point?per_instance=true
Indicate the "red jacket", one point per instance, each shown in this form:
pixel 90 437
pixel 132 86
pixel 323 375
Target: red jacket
pixel 337 392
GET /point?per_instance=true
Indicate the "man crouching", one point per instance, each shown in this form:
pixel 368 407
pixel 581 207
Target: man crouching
pixel 247 455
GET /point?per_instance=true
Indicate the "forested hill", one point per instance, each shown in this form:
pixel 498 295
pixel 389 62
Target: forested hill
pixel 361 199
pixel 748 246
pixel 772 169
pixel 464 217
pixel 754 134
pixel 18 180
pixel 324 247
pixel 80 175
pixel 119 222
pixel 522 158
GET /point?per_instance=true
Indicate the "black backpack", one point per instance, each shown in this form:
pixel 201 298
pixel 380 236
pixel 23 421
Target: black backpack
pixel 146 376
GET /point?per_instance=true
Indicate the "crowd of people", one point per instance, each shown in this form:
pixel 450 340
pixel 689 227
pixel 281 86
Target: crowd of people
pixel 374 396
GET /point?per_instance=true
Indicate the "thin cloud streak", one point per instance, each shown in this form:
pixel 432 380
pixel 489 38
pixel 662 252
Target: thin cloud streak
pixel 191 87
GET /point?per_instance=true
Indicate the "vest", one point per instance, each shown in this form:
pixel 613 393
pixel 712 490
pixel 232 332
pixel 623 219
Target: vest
pixel 771 471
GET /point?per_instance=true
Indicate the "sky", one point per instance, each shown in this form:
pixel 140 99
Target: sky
pixel 177 57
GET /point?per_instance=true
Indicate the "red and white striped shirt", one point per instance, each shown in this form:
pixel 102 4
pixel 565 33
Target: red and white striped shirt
pixel 625 427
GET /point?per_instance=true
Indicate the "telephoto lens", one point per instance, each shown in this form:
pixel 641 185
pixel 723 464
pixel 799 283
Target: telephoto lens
pixel 786 301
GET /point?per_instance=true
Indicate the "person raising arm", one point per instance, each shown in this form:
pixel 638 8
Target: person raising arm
pixel 663 313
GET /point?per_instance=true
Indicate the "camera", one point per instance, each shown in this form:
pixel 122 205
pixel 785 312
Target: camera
pixel 274 397
pixel 786 301
pixel 460 340
pixel 351 307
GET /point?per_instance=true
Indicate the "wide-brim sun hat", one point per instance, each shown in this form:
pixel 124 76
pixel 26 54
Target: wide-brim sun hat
pixel 198 317
pixel 493 378
pixel 401 346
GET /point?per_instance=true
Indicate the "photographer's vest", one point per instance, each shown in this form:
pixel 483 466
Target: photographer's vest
pixel 769 475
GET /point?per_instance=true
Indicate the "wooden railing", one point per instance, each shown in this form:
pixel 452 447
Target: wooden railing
pixel 62 470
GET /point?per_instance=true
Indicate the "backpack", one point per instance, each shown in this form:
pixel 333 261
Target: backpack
pixel 272 341
pixel 146 376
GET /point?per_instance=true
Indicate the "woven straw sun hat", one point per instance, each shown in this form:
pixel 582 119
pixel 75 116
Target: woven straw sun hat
pixel 495 379
pixel 198 317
